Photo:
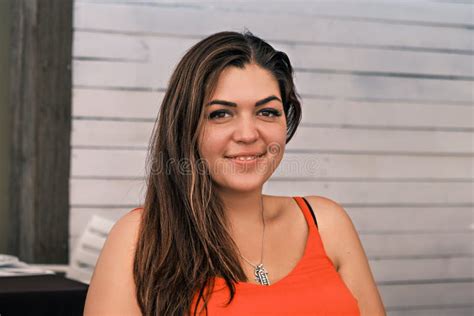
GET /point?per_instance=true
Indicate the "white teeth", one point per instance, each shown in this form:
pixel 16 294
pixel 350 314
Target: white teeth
pixel 243 158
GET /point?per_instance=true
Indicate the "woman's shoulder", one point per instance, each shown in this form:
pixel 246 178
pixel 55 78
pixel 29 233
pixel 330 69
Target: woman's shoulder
pixel 342 238
pixel 334 225
pixel 325 208
pixel 127 226
pixel 130 221
pixel 135 211
pixel 112 287
pixel 329 209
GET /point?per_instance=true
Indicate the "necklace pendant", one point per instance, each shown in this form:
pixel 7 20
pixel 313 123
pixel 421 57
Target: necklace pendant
pixel 261 275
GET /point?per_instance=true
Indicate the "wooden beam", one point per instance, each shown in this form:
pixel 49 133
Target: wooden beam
pixel 5 128
pixel 40 73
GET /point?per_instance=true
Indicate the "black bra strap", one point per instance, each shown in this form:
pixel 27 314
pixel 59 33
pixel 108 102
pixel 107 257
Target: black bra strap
pixel 312 212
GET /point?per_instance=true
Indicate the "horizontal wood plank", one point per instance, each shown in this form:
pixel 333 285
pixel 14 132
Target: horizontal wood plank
pixel 436 310
pixel 418 245
pixel 169 20
pixel 379 192
pixel 166 51
pixel 432 219
pixel 453 13
pixel 388 271
pixel 423 295
pixel 102 45
pixel 116 104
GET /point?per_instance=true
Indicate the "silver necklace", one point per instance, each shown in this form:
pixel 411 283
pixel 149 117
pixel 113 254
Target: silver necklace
pixel 261 274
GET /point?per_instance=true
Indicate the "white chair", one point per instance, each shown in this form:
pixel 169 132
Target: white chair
pixel 88 247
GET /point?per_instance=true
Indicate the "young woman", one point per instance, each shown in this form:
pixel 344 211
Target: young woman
pixel 206 238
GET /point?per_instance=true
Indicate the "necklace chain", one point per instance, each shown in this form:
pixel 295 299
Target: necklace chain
pixel 260 272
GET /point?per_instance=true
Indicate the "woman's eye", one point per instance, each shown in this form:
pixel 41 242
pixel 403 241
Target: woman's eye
pixel 217 114
pixel 221 113
pixel 271 112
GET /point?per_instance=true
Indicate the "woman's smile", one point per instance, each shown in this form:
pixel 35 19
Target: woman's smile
pixel 247 160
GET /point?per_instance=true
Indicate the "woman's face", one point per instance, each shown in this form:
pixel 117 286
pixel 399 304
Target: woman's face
pixel 244 118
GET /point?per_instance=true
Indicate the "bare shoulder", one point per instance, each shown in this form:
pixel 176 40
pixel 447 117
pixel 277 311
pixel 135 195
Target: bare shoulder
pixel 340 238
pixel 112 288
pixel 332 221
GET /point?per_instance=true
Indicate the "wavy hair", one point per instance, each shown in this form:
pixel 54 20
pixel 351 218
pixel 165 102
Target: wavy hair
pixel 184 241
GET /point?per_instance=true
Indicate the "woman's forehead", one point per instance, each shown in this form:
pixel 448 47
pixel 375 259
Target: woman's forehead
pixel 247 85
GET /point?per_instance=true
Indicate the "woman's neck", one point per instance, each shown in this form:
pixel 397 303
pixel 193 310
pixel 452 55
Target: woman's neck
pixel 244 210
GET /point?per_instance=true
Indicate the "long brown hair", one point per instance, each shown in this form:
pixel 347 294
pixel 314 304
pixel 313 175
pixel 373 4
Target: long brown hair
pixel 183 239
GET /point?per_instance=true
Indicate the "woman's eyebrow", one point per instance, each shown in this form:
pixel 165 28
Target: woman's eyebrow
pixel 258 103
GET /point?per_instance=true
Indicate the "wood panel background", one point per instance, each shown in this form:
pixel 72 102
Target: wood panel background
pixel 387 129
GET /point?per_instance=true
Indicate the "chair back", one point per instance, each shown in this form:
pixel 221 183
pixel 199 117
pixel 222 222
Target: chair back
pixel 86 252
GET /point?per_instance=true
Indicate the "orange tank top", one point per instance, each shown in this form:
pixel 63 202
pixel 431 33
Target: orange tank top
pixel 313 287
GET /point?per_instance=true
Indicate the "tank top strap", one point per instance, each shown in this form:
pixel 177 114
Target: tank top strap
pixel 307 211
pixel 314 239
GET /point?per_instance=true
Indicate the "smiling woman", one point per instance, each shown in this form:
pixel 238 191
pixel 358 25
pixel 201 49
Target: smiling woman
pixel 243 133
pixel 207 239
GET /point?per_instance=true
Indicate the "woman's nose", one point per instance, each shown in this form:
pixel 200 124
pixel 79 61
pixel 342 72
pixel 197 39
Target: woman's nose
pixel 246 131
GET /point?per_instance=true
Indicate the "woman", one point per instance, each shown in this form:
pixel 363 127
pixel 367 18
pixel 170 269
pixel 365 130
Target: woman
pixel 207 239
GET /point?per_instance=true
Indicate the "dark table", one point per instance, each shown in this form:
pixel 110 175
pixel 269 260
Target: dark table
pixel 41 295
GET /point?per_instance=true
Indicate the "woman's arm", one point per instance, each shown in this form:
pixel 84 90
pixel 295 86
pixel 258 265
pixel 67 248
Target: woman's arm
pixel 112 288
pixel 351 259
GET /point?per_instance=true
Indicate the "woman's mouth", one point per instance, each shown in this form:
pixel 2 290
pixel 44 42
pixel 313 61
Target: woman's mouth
pixel 246 159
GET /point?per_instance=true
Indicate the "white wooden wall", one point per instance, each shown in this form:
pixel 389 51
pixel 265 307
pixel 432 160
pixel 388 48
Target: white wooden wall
pixel 387 90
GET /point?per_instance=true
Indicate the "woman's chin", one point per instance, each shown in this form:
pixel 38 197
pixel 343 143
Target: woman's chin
pixel 243 183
